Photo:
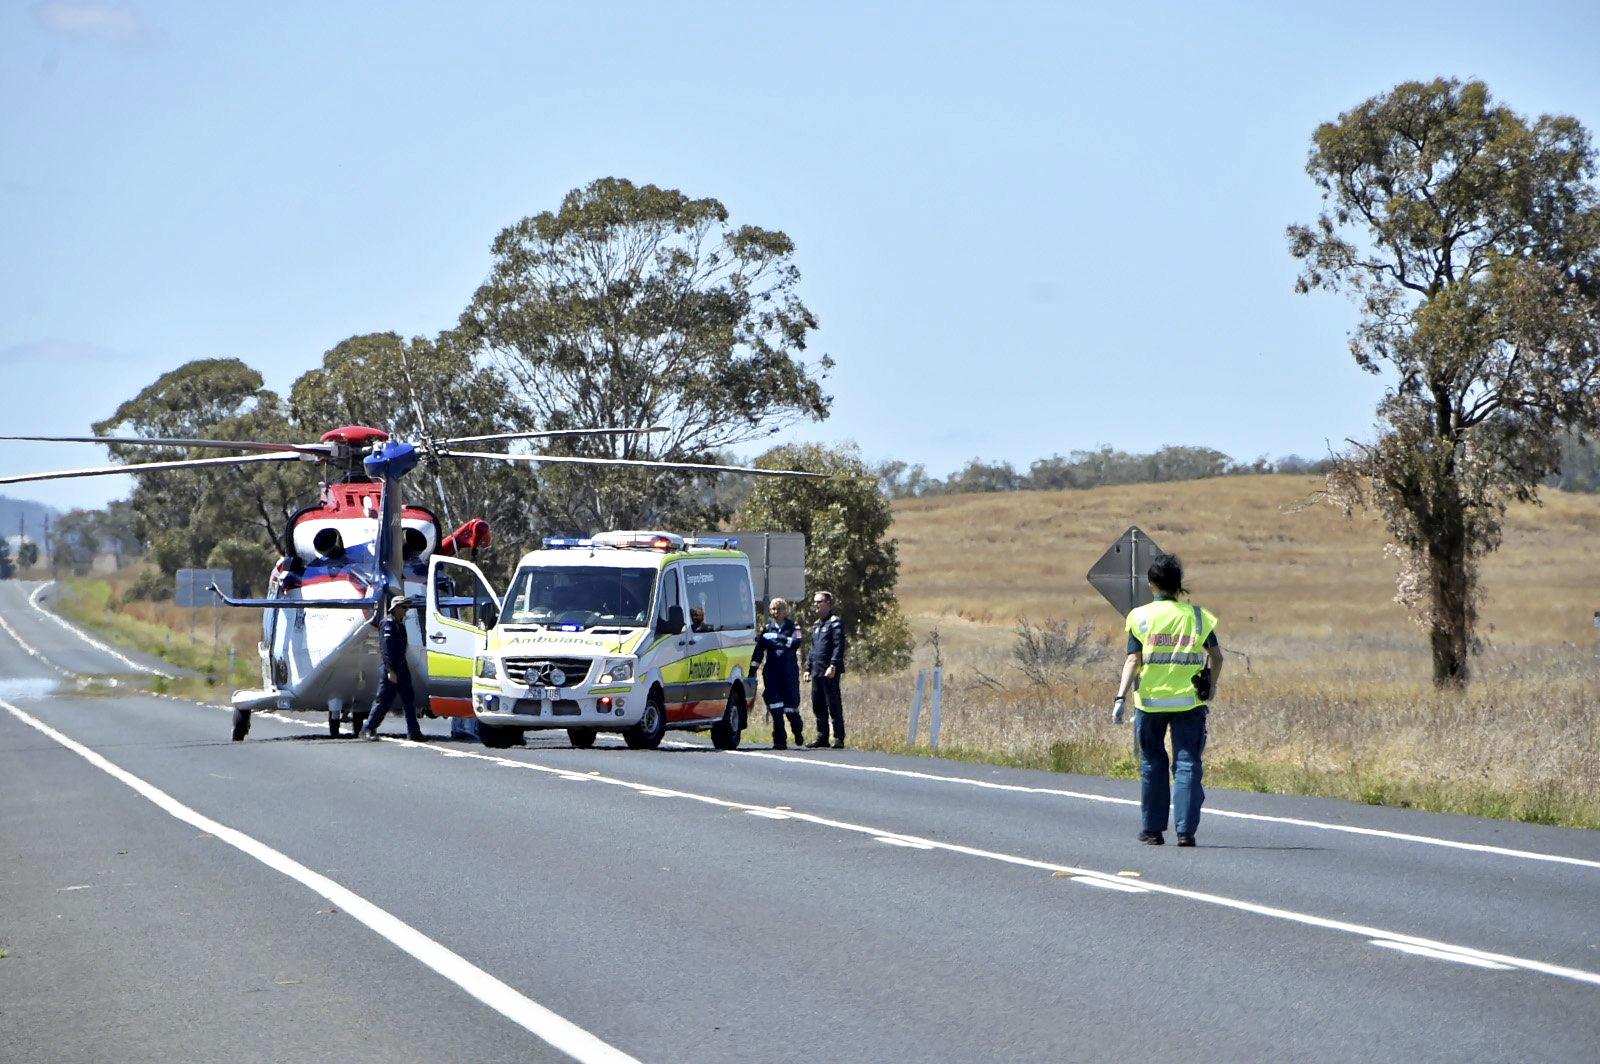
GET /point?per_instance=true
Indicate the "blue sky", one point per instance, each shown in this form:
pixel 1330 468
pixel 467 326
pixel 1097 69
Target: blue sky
pixel 1025 228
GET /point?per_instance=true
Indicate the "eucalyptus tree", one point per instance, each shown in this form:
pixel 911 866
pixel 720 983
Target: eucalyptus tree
pixel 1469 238
pixel 633 305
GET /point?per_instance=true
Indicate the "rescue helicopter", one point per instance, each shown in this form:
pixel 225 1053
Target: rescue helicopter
pixel 345 557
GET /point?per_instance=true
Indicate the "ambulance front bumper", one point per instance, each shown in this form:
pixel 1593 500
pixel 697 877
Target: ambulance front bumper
pixel 558 708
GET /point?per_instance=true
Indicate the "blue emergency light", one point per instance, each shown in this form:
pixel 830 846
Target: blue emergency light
pixel 564 542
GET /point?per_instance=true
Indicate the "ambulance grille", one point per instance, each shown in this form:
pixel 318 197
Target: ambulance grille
pixel 536 672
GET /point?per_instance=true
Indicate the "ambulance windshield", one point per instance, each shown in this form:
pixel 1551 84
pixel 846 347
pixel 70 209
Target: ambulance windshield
pixel 577 598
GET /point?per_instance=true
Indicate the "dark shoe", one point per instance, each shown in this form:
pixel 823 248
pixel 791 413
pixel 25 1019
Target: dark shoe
pixel 418 738
pixel 817 744
pixel 1151 838
pixel 780 746
pixel 369 735
pixel 838 744
pixel 1185 840
pixel 799 740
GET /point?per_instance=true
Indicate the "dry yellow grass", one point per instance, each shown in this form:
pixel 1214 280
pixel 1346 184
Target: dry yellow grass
pixel 1336 696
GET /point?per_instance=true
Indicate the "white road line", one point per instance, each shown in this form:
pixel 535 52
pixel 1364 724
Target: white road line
pixel 31 650
pixel 919 842
pixel 1443 955
pixel 1350 829
pixel 33 600
pixel 1288 915
pixel 519 1009
pixel 907 843
pixel 1106 884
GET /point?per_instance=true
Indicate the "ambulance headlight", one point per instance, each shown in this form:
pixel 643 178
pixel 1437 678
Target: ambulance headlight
pixel 620 671
pixel 484 668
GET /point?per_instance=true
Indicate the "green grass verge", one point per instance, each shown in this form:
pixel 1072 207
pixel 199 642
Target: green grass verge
pixel 88 602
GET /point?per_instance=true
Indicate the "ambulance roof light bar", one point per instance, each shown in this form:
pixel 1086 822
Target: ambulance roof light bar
pixel 640 540
pixel 712 543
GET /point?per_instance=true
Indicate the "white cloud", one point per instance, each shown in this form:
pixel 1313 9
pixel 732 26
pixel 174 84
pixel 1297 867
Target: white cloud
pixel 87 19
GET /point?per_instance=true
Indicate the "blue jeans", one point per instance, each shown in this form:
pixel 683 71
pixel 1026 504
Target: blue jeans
pixel 1188 742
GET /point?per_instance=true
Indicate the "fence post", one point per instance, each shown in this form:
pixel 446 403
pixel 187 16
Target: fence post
pixel 933 720
pixel 916 709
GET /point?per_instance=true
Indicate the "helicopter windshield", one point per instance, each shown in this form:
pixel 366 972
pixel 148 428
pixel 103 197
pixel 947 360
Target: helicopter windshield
pixel 577 598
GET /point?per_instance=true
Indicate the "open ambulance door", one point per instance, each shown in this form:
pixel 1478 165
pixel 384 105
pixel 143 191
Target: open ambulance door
pixel 462 607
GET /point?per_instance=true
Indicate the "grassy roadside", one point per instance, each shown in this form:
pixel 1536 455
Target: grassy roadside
pixel 1538 805
pixel 94 603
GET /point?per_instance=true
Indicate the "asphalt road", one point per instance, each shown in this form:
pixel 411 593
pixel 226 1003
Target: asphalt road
pixel 169 895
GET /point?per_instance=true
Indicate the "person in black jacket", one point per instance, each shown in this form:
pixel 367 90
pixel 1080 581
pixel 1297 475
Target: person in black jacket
pixel 777 655
pixel 394 677
pixel 824 669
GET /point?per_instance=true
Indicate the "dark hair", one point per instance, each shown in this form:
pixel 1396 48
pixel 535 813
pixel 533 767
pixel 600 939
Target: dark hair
pixel 1166 575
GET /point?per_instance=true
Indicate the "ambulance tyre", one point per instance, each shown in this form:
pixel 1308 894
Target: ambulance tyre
pixel 582 738
pixel 725 733
pixel 652 727
pixel 241 724
pixel 497 738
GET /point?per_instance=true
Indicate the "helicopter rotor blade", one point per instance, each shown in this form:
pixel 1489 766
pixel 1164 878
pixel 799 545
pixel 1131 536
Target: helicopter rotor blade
pixel 147 441
pixel 549 434
pixel 694 467
pixel 155 467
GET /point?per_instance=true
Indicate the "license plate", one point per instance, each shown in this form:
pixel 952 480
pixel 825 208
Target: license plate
pixel 551 693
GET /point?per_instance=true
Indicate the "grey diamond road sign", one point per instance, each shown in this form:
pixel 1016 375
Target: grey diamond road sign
pixel 1119 574
pixel 194 587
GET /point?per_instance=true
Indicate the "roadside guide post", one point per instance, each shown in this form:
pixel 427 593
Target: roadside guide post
pixel 916 709
pixel 933 718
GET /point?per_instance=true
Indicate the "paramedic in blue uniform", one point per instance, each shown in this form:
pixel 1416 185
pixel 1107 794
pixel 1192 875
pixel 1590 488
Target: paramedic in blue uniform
pixel 394 677
pixel 823 670
pixel 778 657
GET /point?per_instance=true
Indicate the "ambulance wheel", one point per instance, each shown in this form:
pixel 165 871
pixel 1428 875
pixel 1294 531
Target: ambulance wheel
pixel 241 724
pixel 725 733
pixel 582 738
pixel 497 738
pixel 652 727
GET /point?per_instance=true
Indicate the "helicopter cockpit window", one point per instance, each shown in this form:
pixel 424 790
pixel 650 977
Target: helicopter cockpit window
pixel 578 598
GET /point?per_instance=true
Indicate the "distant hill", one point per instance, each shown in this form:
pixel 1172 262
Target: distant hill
pixel 31 515
pixel 1285 571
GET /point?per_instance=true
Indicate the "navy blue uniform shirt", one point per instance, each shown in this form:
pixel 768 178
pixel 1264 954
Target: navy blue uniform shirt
pixel 392 644
pixel 827 645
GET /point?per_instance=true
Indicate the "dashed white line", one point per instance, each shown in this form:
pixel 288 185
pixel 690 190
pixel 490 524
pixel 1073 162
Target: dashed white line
pixel 1109 884
pixel 33 600
pixel 1443 955
pixel 1058 792
pixel 1110 879
pixel 559 1032
pixel 1376 936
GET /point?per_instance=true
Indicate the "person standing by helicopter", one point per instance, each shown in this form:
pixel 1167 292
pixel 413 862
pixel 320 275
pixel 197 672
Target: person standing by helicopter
pixel 777 658
pixel 394 676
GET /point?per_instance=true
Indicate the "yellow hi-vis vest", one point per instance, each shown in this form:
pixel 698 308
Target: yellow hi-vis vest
pixel 1173 636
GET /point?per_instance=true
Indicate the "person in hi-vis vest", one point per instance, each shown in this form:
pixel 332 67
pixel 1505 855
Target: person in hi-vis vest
pixel 1174 663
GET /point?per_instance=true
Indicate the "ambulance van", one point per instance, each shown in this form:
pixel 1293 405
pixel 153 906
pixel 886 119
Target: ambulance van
pixel 639 633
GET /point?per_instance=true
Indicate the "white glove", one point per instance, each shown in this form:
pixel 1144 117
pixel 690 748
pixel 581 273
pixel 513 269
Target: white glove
pixel 1119 710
